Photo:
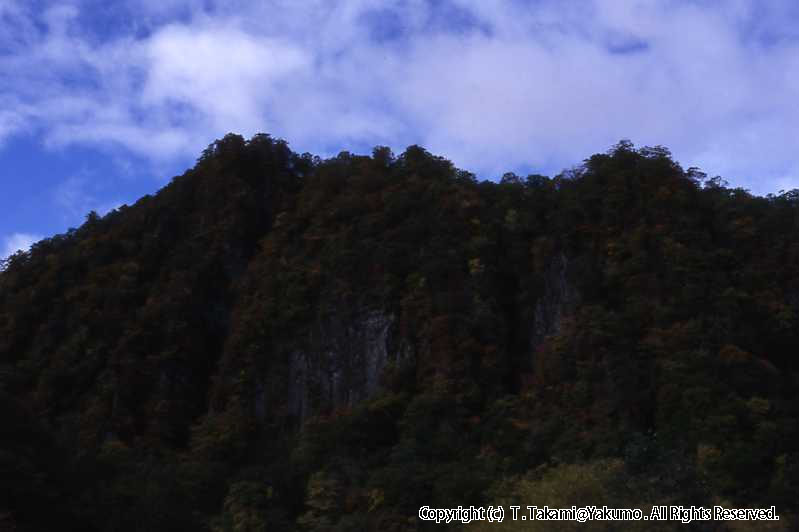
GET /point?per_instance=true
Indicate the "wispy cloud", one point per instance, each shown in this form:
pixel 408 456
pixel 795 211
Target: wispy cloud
pixel 76 196
pixel 495 86
pixel 17 242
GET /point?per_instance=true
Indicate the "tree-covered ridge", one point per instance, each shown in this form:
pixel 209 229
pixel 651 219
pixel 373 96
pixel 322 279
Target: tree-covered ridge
pixel 279 342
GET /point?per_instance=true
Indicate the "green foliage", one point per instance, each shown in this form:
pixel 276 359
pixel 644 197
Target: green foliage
pixel 245 509
pixel 598 483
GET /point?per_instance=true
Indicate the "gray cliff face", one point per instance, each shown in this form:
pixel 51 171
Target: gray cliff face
pixel 341 363
pixel 558 300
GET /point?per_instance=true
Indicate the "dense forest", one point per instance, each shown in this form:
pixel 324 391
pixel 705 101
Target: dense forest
pixel 277 342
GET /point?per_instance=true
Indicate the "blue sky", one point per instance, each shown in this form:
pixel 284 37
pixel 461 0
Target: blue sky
pixel 102 102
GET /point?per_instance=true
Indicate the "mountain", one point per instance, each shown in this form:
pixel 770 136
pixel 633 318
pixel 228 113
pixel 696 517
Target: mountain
pixel 278 342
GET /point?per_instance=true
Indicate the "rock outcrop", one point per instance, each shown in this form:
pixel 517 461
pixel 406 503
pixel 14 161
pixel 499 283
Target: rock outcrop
pixel 341 362
pixel 559 298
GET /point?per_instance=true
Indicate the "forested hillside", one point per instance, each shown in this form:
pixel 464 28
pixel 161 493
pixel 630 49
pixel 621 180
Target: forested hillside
pixel 278 342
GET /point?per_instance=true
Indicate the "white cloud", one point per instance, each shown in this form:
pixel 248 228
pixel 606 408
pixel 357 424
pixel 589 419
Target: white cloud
pixel 511 84
pixel 17 242
pixel 222 73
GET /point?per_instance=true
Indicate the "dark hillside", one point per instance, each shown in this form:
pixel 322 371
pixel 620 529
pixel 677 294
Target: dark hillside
pixel 276 342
